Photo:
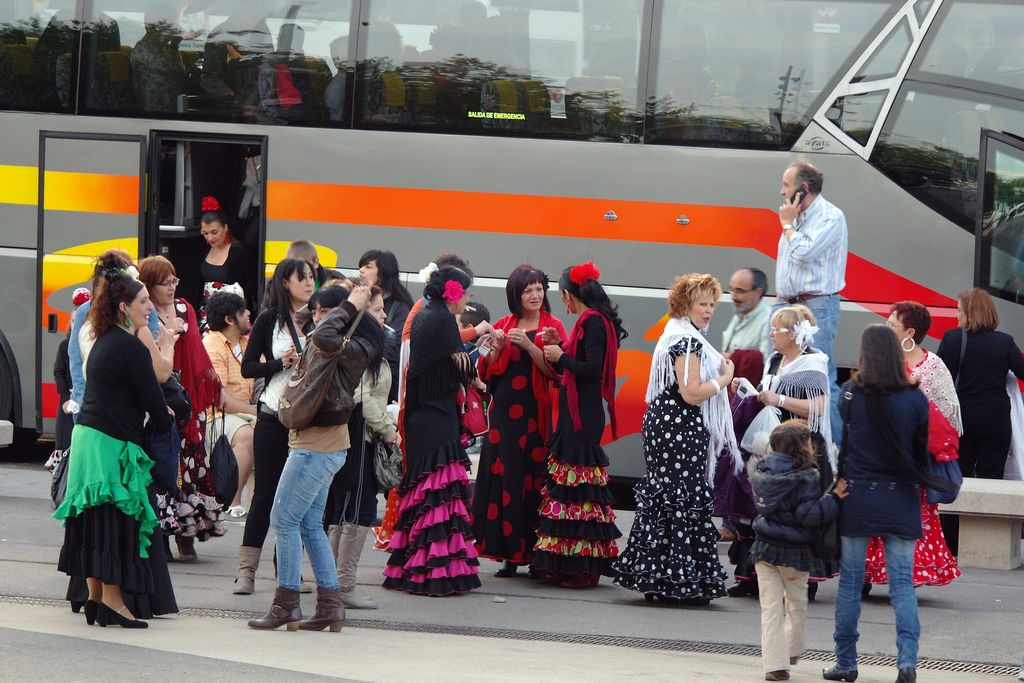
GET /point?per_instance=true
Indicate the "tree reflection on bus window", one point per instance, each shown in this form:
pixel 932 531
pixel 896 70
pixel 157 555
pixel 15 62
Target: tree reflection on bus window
pixel 930 144
pixel 38 42
pixel 1002 246
pixel 551 69
pixel 249 61
pixel 740 74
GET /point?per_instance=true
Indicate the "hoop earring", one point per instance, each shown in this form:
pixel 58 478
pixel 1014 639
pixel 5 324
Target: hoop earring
pixel 913 345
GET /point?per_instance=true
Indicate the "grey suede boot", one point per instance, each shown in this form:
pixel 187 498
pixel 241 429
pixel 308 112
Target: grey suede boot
pixel 350 547
pixel 245 577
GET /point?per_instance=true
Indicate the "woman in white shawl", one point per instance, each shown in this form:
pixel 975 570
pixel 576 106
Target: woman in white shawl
pixel 796 382
pixel 672 553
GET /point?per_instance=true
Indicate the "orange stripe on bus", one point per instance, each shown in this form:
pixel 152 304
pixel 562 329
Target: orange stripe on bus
pixel 573 217
pixel 91 192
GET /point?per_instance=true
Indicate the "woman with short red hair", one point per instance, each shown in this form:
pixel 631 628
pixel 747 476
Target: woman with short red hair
pixel 979 358
pixel 196 514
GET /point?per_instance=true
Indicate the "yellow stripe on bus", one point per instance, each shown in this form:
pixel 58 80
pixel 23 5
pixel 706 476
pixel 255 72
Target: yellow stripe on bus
pixel 67 191
pixel 19 185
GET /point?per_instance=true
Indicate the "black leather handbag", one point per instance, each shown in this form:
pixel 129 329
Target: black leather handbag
pixel 176 397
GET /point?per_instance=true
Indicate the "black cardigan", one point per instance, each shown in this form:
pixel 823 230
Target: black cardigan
pixel 987 359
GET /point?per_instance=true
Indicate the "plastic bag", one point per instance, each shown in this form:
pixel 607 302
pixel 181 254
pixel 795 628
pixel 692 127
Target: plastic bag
pixel 755 441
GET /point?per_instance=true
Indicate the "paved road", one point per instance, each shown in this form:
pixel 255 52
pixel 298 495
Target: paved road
pixel 976 619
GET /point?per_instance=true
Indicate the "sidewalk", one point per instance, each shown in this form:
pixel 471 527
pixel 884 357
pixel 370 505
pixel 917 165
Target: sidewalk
pixel 378 655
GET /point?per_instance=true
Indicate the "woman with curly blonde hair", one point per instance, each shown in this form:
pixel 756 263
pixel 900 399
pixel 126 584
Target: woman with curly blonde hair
pixel 673 546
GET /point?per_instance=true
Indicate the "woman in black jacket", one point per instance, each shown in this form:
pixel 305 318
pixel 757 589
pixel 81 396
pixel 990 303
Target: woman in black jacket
pixel 275 343
pixel 979 357
pixel 791 511
pixel 885 462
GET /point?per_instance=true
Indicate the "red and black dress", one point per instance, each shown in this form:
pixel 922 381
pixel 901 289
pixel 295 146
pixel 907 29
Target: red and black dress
pixel 577 532
pixel 514 456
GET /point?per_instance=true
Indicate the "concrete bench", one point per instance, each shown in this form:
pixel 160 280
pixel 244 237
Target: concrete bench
pixel 6 432
pixel 991 511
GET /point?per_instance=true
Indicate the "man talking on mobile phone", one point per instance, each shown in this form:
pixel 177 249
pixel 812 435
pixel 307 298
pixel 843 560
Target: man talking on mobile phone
pixel 811 265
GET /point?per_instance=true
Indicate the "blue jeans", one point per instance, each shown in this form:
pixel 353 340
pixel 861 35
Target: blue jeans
pixel 826 315
pixel 298 517
pixel 899 560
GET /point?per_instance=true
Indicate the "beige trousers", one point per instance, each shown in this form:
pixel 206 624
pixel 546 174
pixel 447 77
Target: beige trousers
pixel 783 592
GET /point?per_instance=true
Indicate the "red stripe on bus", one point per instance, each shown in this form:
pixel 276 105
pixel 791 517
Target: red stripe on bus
pixel 717 226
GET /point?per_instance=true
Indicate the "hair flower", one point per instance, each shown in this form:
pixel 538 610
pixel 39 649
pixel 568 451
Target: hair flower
pixel 427 271
pixel 584 273
pixel 80 296
pixel 209 203
pixel 453 291
pixel 804 332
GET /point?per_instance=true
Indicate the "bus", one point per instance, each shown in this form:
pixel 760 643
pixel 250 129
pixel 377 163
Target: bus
pixel 649 136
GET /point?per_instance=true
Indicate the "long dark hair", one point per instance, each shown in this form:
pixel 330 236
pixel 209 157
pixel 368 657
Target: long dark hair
pixel 116 286
pixel 434 290
pixel 882 368
pixel 521 278
pixel 387 275
pixel 278 299
pixel 368 329
pixel 592 295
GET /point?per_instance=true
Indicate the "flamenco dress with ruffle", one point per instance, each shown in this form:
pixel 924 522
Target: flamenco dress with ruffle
pixel 432 550
pixel 577 531
pixel 673 545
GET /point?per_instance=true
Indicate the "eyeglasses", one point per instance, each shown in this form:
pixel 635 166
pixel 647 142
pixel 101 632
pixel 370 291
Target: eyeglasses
pixel 740 290
pixel 779 330
pixel 173 282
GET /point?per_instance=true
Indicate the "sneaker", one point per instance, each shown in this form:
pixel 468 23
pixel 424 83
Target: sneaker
pixel 237 511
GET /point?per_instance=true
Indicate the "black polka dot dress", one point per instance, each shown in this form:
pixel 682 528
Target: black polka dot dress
pixel 673 545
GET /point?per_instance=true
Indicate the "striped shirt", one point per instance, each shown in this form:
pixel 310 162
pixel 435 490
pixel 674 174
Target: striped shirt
pixel 814 262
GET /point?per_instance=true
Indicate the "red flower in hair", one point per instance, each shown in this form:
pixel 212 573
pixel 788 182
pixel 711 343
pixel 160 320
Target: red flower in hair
pixel 584 273
pixel 453 291
pixel 209 203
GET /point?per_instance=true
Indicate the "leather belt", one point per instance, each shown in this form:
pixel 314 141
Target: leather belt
pixel 267 412
pixel 800 298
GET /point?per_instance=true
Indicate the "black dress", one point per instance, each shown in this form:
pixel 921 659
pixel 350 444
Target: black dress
pixel 513 464
pixel 673 545
pixel 577 532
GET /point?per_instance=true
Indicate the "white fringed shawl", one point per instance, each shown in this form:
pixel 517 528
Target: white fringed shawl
pixel 715 411
pixel 806 377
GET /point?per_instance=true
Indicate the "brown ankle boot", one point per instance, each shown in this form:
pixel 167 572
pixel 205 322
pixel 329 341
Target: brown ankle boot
pixel 284 611
pixel 329 611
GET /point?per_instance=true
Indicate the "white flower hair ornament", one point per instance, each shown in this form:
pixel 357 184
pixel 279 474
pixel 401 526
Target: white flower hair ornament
pixel 804 333
pixel 426 272
pixel 133 271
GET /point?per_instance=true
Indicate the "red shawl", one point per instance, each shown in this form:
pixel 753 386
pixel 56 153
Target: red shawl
pixel 497 364
pixel 198 377
pixel 611 356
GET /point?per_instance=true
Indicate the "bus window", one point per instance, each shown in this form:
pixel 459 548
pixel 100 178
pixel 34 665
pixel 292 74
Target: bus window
pixel 856 114
pixel 550 68
pixel 258 61
pixel 1001 269
pixel 722 76
pixel 886 62
pixel 929 144
pixel 38 42
pixel 980 41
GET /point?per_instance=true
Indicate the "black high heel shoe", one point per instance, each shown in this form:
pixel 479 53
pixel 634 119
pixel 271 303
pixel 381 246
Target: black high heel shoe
pixel 506 570
pixel 105 616
pixel 91 608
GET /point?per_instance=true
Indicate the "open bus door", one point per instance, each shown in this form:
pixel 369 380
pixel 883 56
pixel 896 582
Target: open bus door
pixel 91 194
pixel 999 244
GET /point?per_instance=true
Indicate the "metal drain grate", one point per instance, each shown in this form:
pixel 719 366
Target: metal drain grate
pixel 581 639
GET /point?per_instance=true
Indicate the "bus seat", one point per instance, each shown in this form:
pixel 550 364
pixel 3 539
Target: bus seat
pixel 111 87
pixel 17 60
pixel 15 75
pixel 538 99
pixel 320 74
pixel 31 42
pixel 394 89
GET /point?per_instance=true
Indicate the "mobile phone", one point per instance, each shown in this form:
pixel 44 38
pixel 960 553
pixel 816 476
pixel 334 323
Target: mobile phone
pixel 798 196
pixel 745 388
